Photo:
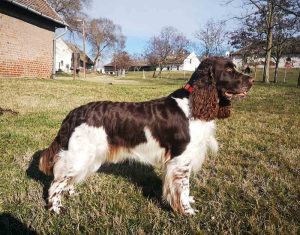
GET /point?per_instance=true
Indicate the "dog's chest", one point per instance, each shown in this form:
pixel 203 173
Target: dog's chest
pixel 201 131
pixel 202 140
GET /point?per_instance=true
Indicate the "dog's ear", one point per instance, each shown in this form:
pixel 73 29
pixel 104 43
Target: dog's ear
pixel 204 70
pixel 204 98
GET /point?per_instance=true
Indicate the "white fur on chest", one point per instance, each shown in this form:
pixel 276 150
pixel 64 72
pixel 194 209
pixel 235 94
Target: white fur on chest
pixel 202 135
pixel 202 140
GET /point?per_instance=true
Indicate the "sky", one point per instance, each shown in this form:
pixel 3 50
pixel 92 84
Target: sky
pixel 141 20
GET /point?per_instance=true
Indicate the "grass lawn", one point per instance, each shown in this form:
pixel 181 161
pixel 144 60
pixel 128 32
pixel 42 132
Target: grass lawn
pixel 251 186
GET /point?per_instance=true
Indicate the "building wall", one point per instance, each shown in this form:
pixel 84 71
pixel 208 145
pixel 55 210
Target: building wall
pixel 295 61
pixel 191 63
pixel 63 56
pixel 25 49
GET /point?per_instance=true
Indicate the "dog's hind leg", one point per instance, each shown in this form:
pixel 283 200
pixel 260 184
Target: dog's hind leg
pixel 58 186
pixel 176 189
pixel 87 150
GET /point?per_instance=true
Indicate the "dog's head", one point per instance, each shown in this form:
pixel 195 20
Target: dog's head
pixel 215 83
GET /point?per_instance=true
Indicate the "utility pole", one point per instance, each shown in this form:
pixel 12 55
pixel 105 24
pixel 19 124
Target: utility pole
pixel 83 41
pixel 83 46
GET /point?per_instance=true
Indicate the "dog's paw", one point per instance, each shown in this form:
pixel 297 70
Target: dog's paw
pixel 71 192
pixel 190 211
pixel 57 209
pixel 191 199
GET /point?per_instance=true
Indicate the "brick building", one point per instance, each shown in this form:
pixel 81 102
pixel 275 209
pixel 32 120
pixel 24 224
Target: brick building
pixel 26 38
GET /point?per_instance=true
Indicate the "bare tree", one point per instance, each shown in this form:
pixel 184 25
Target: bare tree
pixel 70 10
pixel 283 40
pixel 212 37
pixel 103 36
pixel 138 60
pixel 166 48
pixel 264 16
pixel 122 61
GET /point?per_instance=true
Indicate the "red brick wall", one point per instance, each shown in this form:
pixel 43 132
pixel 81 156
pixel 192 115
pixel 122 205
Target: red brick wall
pixel 25 49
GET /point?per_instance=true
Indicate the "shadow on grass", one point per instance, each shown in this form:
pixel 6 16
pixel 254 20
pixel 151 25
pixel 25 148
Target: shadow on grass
pixel 34 173
pixel 140 175
pixel 11 225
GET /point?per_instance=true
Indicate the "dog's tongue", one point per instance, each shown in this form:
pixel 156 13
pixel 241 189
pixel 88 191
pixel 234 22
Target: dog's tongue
pixel 231 95
pixel 242 94
pixel 228 94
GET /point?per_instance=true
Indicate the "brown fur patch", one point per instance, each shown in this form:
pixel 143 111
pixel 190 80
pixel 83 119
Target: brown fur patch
pixel 224 109
pixel 167 156
pixel 176 203
pixel 114 153
pixel 205 101
pixel 49 157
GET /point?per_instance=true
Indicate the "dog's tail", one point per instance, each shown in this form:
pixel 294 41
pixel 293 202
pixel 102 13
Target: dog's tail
pixel 49 157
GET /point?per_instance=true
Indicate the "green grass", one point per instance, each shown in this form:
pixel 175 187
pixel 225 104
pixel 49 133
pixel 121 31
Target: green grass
pixel 252 186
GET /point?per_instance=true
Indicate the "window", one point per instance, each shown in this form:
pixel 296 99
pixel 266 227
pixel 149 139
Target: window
pixel 62 63
pixel 190 61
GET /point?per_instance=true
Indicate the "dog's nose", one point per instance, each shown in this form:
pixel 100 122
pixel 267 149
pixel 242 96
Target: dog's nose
pixel 251 80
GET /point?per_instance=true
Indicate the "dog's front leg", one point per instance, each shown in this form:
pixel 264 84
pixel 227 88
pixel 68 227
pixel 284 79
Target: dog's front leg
pixel 176 189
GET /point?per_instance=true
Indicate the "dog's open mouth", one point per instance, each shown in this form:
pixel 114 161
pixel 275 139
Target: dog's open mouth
pixel 231 95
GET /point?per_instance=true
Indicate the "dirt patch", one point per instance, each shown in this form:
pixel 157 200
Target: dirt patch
pixel 10 111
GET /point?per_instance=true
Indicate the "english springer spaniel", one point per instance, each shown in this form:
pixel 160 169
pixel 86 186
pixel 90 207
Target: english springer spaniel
pixel 176 131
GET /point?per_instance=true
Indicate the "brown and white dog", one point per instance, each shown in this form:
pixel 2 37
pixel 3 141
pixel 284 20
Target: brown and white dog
pixel 176 131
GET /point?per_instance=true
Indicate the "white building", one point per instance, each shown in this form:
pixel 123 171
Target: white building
pixel 63 56
pixel 291 59
pixel 100 66
pixel 190 63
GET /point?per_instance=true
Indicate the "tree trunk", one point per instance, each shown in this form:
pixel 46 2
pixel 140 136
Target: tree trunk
pixel 284 78
pixel 160 70
pixel 154 73
pixel 95 62
pixel 266 74
pixel 269 22
pixel 298 84
pixel 276 72
pixel 159 74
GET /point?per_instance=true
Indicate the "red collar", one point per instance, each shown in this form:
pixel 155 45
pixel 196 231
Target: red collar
pixel 188 87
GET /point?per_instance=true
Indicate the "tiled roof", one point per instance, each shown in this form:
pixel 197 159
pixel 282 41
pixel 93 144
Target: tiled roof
pixel 41 6
pixel 76 49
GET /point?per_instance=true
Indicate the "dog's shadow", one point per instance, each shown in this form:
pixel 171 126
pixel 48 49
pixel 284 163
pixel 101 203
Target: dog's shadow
pixel 11 225
pixel 141 176
pixel 34 173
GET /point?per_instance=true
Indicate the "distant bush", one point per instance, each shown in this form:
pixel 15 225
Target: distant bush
pixel 61 73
